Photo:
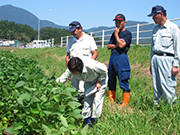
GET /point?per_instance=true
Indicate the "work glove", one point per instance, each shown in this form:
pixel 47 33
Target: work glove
pixel 58 79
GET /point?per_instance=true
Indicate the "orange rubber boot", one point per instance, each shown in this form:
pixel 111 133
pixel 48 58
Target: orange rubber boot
pixel 126 98
pixel 112 96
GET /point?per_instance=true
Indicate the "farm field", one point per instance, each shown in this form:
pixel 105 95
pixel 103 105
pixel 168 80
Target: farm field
pixel 140 116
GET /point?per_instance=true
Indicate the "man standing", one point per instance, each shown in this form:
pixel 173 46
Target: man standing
pixel 119 63
pixel 164 56
pixel 81 45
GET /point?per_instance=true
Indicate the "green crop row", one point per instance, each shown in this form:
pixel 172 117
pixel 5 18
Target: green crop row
pixel 33 103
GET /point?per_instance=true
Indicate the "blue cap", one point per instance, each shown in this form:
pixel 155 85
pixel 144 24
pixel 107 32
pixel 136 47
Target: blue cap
pixel 74 25
pixel 157 9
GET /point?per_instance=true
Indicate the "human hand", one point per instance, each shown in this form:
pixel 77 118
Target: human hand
pixel 150 70
pixel 116 31
pixel 175 70
pixel 58 79
pixel 122 40
pixel 98 85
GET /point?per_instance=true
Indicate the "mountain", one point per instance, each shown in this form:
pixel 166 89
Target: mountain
pixel 21 16
pixel 127 26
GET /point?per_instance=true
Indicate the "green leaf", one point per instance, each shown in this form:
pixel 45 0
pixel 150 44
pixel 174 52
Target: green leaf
pixel 35 126
pixel 55 107
pixel 51 75
pixel 20 101
pixel 62 108
pixel 44 98
pixel 47 112
pixel 33 119
pixel 28 121
pixel 19 84
pixel 26 96
pixel 71 127
pixel 18 126
pixel 84 130
pixel 70 89
pixel 55 90
pixel 39 107
pixel 73 105
pixel 35 99
pixel 62 130
pixel 46 129
pixel 10 130
pixel 15 94
pixel 63 120
pixel 29 89
pixel 5 90
pixel 1 103
pixel 64 92
pixel 35 111
pixel 3 58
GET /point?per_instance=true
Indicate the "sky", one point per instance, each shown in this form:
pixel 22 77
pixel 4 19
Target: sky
pixel 95 13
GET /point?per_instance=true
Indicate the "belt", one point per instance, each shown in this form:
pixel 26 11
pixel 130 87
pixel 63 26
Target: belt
pixel 164 54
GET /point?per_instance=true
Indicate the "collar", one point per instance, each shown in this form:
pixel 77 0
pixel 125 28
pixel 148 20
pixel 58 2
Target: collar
pixel 84 69
pixel 165 25
pixel 75 39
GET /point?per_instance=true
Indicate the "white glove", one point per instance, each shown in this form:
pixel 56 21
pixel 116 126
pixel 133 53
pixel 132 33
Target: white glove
pixel 58 79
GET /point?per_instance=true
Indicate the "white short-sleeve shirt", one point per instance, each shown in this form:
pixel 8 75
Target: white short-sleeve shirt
pixel 82 47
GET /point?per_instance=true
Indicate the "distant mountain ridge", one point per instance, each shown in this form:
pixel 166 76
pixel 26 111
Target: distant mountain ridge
pixel 19 15
pixel 22 16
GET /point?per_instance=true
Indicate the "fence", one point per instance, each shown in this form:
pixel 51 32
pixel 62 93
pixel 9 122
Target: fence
pixel 141 34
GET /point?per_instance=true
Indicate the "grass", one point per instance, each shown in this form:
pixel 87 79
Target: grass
pixel 141 116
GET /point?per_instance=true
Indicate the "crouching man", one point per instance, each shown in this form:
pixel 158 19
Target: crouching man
pixel 94 74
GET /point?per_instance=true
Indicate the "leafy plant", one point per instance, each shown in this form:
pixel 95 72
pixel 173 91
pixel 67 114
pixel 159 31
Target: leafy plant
pixel 33 103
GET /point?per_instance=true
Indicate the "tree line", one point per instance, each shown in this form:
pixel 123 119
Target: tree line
pixel 25 33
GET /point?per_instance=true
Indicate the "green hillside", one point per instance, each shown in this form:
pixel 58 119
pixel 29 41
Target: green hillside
pixel 141 116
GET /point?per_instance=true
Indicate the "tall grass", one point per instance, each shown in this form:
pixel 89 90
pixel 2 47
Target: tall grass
pixel 141 116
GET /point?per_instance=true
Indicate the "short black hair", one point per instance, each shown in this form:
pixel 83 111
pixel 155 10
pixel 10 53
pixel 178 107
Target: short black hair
pixel 75 64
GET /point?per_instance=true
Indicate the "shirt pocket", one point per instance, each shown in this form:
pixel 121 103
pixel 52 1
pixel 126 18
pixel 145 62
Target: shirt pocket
pixel 125 74
pixel 86 52
pixel 166 40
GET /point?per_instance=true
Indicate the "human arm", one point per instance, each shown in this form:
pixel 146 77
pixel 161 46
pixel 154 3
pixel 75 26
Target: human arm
pixel 94 54
pixel 64 77
pixel 111 46
pixel 151 54
pixel 119 42
pixel 101 69
pixel 67 59
pixel 176 45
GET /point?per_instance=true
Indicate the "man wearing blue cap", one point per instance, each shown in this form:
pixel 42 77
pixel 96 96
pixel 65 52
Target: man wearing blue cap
pixel 80 45
pixel 164 56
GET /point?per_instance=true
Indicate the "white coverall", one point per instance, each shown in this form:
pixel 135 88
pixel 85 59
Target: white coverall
pixel 80 48
pixel 93 71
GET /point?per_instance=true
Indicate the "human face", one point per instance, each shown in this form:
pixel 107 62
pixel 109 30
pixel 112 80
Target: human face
pixel 76 72
pixel 157 18
pixel 77 33
pixel 120 24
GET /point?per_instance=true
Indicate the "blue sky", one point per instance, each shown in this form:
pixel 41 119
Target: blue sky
pixel 95 13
